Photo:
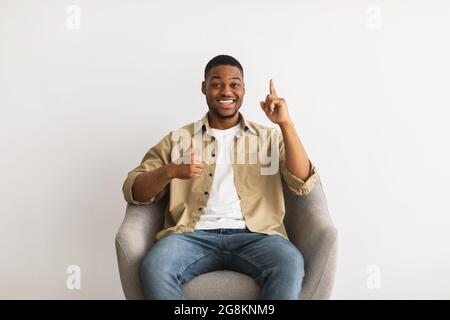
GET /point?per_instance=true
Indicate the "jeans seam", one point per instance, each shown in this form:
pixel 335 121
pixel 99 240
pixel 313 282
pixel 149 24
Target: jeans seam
pixel 248 260
pixel 191 262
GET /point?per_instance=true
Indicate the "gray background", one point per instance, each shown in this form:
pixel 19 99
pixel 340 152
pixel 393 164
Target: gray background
pixel 365 82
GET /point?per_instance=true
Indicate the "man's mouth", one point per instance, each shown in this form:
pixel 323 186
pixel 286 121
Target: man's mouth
pixel 227 103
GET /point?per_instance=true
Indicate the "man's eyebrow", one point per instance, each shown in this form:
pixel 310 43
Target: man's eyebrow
pixel 218 77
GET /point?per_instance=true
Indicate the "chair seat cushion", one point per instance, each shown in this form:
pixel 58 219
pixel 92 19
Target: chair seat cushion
pixel 222 285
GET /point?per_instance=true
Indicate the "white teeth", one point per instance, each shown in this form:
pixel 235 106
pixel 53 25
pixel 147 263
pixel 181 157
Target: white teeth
pixel 226 101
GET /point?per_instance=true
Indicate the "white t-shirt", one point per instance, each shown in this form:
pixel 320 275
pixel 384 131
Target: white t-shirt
pixel 223 209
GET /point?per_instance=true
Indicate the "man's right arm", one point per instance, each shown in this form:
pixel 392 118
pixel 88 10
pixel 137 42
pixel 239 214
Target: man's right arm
pixel 148 184
pixel 144 186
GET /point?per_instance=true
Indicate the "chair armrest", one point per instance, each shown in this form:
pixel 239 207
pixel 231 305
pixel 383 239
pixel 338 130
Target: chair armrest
pixel 134 239
pixel 311 230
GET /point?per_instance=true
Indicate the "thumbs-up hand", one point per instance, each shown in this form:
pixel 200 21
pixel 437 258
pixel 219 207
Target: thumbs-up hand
pixel 275 107
pixel 190 170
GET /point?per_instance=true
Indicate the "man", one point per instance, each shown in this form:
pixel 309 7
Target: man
pixel 226 213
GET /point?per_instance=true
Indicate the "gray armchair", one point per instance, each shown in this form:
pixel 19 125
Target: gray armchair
pixel 307 223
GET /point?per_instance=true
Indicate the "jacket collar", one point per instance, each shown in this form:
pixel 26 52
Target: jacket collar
pixel 203 124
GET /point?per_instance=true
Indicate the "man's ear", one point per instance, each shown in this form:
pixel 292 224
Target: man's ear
pixel 203 87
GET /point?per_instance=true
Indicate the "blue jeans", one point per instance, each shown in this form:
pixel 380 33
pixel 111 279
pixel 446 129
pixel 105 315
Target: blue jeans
pixel 273 261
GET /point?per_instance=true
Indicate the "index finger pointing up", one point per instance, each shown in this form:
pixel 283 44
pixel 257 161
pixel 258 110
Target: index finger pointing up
pixel 272 88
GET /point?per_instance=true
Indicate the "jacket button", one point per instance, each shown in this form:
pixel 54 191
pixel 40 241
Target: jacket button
pixel 210 174
pixel 206 192
pixel 213 154
pixel 199 209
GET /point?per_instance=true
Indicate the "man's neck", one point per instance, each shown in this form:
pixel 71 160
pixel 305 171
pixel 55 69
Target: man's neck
pixel 222 124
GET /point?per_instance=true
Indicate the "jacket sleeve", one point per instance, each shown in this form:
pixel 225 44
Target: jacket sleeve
pixel 294 184
pixel 158 156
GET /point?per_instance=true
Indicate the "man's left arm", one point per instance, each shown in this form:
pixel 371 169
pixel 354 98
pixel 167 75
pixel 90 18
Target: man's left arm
pixel 296 169
pixel 297 161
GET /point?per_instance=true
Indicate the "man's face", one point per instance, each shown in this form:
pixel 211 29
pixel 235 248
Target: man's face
pixel 224 89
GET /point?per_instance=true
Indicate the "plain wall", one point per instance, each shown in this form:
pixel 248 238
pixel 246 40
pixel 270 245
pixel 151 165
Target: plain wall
pixel 366 83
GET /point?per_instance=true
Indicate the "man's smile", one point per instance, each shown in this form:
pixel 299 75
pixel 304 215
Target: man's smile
pixel 227 102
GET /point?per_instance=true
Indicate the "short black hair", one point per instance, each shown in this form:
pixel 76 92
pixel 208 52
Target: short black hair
pixel 223 59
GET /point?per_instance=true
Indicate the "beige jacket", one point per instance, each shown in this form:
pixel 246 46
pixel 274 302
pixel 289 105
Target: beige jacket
pixel 261 194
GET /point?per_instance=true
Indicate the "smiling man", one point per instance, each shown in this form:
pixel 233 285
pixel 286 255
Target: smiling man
pixel 224 103
pixel 223 214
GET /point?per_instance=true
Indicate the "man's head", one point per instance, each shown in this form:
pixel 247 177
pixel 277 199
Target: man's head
pixel 224 86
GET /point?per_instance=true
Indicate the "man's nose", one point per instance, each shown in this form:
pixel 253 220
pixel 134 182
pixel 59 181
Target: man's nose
pixel 226 91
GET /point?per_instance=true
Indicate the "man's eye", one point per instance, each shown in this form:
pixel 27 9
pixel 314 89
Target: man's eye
pixel 235 85
pixel 215 85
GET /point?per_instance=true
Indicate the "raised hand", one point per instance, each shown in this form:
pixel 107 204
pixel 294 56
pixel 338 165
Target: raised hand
pixel 275 107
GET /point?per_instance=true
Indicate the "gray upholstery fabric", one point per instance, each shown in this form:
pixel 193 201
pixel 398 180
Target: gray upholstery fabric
pixel 308 225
